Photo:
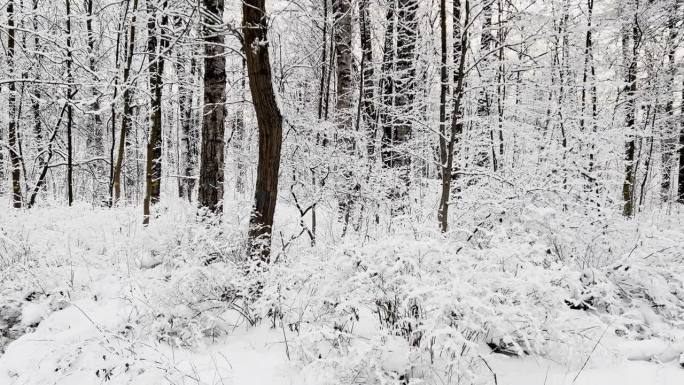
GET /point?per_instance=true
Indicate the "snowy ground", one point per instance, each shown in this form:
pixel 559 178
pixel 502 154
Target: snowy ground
pixel 89 296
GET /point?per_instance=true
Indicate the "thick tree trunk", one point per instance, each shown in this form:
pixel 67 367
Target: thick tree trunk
pixel 210 192
pixel 15 162
pixel 153 166
pixel 127 113
pixel 269 120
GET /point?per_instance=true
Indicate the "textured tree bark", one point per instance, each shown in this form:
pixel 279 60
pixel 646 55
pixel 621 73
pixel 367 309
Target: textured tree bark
pixel 588 76
pixel 324 64
pixel 210 192
pixel 35 102
pixel 483 98
pixel 15 163
pixel 501 80
pixel 345 85
pixel 187 140
pixel 37 125
pixel 561 54
pixel 387 84
pixel 460 49
pixel 680 172
pixel 239 135
pixel 90 37
pixel 153 166
pixel 630 59
pixel 443 91
pixel 343 106
pixel 126 115
pixel 668 144
pixel 269 120
pixel 70 109
pixel 367 84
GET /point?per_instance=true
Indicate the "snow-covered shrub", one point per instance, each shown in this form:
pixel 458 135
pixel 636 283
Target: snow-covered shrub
pixel 197 283
pixel 420 309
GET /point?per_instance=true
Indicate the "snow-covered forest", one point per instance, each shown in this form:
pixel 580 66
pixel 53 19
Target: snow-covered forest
pixel 336 192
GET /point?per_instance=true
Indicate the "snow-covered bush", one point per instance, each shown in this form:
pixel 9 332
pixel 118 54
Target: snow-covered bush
pixel 416 309
pixel 411 305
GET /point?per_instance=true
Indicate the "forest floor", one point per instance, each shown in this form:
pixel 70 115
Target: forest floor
pixel 90 296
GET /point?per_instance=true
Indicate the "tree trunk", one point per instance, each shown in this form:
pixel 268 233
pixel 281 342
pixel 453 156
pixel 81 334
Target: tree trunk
pixel 460 49
pixel 668 145
pixel 483 99
pixel 35 102
pixel 501 81
pixel 70 109
pixel 239 134
pixel 387 85
pixel 90 37
pixel 443 92
pixel 126 115
pixel 15 162
pixel 153 166
pixel 630 59
pixel 343 55
pixel 324 64
pixel 680 171
pixel 120 28
pixel 269 120
pixel 367 84
pixel 343 107
pixel 588 76
pixel 213 126
pixel 187 140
